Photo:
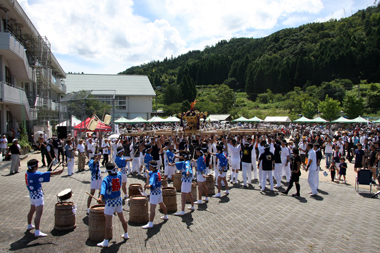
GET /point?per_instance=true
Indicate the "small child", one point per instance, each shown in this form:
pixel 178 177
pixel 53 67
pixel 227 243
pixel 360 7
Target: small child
pixel 342 169
pixel 336 158
pixel 333 170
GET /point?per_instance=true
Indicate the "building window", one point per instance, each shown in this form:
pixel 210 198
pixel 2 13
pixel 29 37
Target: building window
pixel 8 76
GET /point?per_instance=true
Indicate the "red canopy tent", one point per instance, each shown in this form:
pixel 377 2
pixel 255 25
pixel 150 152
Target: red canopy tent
pixel 82 127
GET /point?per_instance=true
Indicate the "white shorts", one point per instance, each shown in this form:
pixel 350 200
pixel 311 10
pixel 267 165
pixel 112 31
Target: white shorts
pixel 37 202
pixel 116 208
pixel 124 178
pixel 96 184
pixel 186 187
pixel 169 170
pixel 223 174
pixel 155 199
pixel 200 178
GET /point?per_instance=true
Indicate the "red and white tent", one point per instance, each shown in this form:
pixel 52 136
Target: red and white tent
pixel 82 127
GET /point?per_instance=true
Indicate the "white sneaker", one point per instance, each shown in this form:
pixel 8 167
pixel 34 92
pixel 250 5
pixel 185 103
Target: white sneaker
pixel 206 199
pixel 125 236
pixel 103 244
pixel 227 192
pixel 191 208
pixel 217 195
pixel 344 181
pixel 147 226
pixel 165 217
pixel 180 213
pixel 39 234
pixel 30 226
pixel 198 202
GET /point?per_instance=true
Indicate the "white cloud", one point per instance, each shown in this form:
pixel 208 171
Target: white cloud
pixel 108 36
pixel 103 31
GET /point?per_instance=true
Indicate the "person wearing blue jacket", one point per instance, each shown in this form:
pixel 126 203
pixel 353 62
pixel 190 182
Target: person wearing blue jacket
pixel 110 192
pixel 222 167
pixel 201 175
pixel 184 167
pixel 153 183
pixel 121 163
pixel 96 177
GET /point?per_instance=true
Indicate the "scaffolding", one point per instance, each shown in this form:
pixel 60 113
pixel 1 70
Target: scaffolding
pixel 39 57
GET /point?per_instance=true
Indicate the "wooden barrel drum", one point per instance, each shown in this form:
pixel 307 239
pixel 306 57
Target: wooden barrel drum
pixel 139 209
pixel 169 197
pixel 177 181
pixel 97 223
pixel 210 183
pixel 133 190
pixel 64 216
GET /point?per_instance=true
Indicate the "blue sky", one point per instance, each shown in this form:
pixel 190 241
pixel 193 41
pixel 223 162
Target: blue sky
pixel 108 36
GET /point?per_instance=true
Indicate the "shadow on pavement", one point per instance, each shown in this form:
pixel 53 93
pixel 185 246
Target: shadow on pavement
pixel 224 199
pixel 269 193
pixel 153 231
pixel 188 219
pixel 55 232
pixel 317 197
pixel 322 192
pixel 113 247
pixel 86 220
pixel 23 243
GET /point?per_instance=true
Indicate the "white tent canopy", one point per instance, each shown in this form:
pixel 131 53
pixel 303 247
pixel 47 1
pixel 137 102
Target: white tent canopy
pixel 74 122
pixel 210 119
pixel 156 119
pixel 172 119
pixel 277 119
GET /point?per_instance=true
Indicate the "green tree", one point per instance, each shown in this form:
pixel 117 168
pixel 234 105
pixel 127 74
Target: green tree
pixel 88 106
pixel 353 106
pixel 308 109
pixel 330 108
pixel 226 96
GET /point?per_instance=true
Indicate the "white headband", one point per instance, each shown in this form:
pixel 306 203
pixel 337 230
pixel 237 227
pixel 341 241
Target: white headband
pixel 32 166
pixel 121 150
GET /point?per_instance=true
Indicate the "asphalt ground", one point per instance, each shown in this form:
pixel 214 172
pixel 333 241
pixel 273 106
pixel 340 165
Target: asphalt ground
pixel 337 220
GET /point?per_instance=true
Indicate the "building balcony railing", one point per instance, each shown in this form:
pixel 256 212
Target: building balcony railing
pixel 14 53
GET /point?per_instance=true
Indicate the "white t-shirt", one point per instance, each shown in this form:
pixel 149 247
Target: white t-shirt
pixel 105 148
pixel 3 143
pixel 313 157
pixel 328 148
pixel 284 153
pixel 302 145
pixel 80 148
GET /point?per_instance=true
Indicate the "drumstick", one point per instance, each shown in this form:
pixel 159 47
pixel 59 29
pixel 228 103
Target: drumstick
pixel 92 196
pixel 57 166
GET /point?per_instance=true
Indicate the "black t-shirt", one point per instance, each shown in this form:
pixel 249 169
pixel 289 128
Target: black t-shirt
pixel 247 153
pixel 55 143
pixel 294 165
pixel 14 149
pixel 127 151
pixel 267 159
pixel 319 155
pixel 277 153
pixel 372 158
pixel 136 150
pixel 155 154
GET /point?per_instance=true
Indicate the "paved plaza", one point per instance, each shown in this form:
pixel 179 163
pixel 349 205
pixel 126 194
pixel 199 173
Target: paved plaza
pixel 337 220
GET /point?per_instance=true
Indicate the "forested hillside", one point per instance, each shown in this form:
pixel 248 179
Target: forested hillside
pixel 335 52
